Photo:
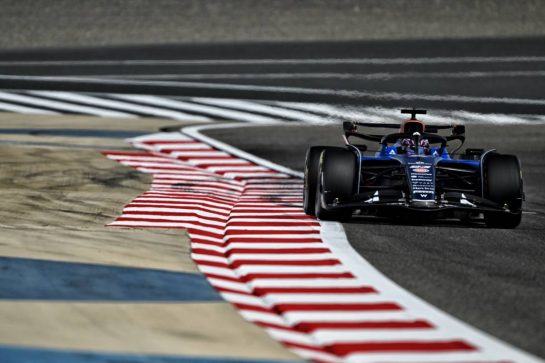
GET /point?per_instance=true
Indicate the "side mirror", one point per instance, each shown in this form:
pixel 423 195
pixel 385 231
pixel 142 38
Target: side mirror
pixel 459 130
pixel 349 126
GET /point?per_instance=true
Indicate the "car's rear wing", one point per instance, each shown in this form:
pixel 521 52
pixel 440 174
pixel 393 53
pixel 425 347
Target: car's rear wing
pixel 349 125
pixel 351 129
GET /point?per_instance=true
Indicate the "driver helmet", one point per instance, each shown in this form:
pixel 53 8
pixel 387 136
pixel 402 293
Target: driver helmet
pixel 408 143
pixel 410 127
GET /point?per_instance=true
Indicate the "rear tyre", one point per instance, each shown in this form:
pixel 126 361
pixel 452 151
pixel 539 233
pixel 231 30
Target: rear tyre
pixel 503 185
pixel 312 161
pixel 336 179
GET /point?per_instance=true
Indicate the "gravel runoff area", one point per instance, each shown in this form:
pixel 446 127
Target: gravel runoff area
pixel 71 284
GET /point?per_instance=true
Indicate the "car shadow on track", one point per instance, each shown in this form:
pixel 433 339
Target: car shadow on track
pixel 531 221
pixel 414 221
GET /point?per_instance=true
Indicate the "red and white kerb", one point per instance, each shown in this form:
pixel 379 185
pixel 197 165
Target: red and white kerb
pixel 252 240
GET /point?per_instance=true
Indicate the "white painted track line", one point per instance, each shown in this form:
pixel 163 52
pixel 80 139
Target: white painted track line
pixel 196 134
pixel 64 106
pixel 262 108
pixel 191 107
pixel 296 90
pixel 384 115
pixel 333 113
pixel 10 107
pixel 315 113
pixel 97 101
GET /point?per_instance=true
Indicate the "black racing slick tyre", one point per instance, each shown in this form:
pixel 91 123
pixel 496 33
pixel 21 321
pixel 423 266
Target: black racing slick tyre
pixel 312 161
pixel 336 179
pixel 503 185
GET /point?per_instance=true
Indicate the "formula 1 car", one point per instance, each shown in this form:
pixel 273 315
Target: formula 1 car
pixel 412 173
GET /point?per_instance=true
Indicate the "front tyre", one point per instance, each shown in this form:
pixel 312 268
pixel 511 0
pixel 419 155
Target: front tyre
pixel 312 161
pixel 503 185
pixel 336 179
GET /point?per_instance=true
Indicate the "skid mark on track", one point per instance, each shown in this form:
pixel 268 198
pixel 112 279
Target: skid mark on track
pixel 283 270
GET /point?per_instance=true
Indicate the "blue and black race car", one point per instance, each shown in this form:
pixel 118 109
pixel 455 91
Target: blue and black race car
pixel 412 172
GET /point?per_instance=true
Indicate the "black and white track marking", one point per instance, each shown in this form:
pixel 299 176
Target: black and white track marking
pixel 207 109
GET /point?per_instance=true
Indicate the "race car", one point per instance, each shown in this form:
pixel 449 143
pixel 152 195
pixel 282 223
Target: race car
pixel 412 174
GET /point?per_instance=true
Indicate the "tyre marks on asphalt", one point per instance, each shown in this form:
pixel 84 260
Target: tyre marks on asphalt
pixel 278 267
pixel 124 63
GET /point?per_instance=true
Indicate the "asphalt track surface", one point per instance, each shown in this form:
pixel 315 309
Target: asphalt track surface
pixel 483 75
pixel 493 279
